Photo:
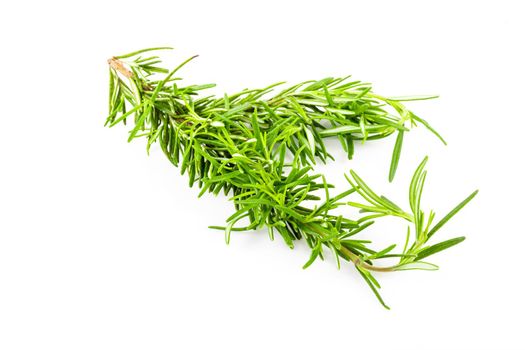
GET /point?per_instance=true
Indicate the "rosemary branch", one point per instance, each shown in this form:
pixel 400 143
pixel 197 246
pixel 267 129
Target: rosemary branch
pixel 260 151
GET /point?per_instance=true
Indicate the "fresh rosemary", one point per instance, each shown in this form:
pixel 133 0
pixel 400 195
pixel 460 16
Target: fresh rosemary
pixel 260 150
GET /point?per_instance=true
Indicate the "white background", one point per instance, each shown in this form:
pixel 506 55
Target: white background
pixel 103 247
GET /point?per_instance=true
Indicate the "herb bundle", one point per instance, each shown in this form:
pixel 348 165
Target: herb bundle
pixel 259 146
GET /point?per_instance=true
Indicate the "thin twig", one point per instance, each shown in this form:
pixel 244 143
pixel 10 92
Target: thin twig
pixel 119 66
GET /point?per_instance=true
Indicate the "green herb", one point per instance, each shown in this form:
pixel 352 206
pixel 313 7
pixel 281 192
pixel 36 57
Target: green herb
pixel 258 147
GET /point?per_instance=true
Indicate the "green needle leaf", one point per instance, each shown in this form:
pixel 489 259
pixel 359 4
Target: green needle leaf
pixel 451 214
pixel 438 247
pixel 418 265
pixel 368 279
pixel 396 154
pixel 427 125
pixel 315 253
pixel 142 51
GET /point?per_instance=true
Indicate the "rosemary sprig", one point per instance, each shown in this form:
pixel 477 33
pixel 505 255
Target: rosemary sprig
pixel 260 150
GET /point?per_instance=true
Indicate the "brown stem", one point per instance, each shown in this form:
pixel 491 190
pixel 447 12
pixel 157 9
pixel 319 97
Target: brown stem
pixel 118 65
pixel 356 259
pixel 358 262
